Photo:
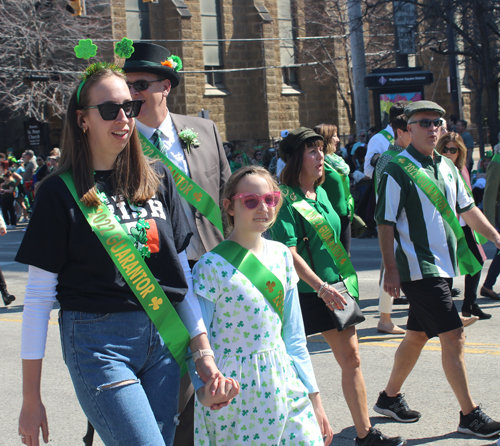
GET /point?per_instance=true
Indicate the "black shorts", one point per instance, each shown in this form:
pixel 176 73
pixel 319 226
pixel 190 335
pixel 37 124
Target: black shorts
pixel 315 314
pixel 432 309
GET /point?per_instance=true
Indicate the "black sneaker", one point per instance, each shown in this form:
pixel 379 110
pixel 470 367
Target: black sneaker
pixel 479 424
pixel 396 407
pixel 8 298
pixel 377 438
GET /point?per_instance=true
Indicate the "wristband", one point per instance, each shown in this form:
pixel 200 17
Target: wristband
pixel 321 288
pixel 324 291
pixel 204 352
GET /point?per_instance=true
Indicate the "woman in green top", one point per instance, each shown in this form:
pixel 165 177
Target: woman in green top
pixel 302 150
pixel 336 183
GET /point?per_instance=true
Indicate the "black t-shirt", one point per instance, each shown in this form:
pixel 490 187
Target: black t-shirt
pixel 59 239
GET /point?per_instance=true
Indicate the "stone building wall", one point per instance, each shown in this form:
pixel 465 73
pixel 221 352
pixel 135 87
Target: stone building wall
pixel 253 108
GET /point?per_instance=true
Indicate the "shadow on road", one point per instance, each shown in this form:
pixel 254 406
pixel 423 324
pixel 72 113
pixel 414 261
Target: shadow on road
pixel 11 309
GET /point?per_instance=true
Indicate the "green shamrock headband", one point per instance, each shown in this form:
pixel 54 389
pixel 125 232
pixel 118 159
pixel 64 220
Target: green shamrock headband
pixel 86 49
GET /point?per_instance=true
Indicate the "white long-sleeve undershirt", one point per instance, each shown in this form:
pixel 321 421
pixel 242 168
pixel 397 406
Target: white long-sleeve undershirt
pixel 41 294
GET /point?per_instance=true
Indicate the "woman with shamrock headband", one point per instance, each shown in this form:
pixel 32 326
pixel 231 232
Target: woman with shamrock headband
pixel 113 224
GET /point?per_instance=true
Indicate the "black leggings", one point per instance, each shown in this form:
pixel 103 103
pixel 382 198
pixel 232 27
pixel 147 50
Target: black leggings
pixel 3 284
pixel 9 213
pixel 345 233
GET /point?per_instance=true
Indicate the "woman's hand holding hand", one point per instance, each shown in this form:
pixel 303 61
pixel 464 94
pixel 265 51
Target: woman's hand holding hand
pixel 32 418
pixel 207 369
pixel 227 389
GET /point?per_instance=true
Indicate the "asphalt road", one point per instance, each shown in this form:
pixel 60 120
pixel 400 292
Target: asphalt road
pixel 426 389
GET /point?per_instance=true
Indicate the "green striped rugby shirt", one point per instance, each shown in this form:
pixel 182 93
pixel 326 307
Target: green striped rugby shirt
pixel 425 244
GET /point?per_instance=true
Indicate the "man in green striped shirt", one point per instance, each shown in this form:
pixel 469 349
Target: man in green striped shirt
pixel 419 251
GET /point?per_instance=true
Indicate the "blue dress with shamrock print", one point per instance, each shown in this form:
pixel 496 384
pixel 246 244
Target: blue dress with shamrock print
pixel 274 369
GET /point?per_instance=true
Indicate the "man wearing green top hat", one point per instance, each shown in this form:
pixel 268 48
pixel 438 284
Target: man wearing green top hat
pixel 196 153
pixel 422 245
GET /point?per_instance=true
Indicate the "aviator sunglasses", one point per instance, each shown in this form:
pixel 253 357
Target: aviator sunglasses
pixel 425 123
pixel 110 111
pixel 251 201
pixel 452 150
pixel 142 85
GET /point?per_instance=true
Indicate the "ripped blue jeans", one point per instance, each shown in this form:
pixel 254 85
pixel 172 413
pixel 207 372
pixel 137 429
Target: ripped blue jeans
pixel 125 379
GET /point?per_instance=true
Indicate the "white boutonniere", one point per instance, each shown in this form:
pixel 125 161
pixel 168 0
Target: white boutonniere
pixel 190 138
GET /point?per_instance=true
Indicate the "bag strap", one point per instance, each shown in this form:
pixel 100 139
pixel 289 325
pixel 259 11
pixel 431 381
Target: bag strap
pixel 327 235
pixel 306 241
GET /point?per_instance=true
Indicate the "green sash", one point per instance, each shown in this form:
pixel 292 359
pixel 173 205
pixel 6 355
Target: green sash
pixel 393 153
pixel 134 270
pixel 347 190
pixel 467 262
pixel 480 239
pixel 388 136
pixel 253 269
pixel 186 187
pixel 496 158
pixel 327 236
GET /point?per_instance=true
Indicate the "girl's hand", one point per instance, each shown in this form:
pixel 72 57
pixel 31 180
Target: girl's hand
pixel 227 389
pixel 3 231
pixel 32 418
pixel 324 424
pixel 333 299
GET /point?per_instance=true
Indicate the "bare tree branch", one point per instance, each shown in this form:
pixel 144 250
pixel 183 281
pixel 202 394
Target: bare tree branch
pixel 38 67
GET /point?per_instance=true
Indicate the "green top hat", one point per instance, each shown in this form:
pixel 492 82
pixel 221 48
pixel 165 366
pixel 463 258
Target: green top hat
pixel 151 58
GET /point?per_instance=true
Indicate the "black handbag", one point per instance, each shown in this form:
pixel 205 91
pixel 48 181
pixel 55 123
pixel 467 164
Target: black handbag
pixel 351 314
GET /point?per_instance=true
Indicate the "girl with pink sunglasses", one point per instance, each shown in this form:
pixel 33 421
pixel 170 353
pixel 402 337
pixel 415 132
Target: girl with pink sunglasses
pixel 248 294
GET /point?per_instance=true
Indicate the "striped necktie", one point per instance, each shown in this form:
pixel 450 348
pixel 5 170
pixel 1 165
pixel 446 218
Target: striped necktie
pixel 157 142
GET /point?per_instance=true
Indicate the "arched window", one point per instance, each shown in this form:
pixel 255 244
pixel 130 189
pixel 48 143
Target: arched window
pixel 212 47
pixel 287 44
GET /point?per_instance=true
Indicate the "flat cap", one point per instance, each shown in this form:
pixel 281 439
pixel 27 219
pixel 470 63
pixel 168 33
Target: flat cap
pixel 294 141
pixel 423 106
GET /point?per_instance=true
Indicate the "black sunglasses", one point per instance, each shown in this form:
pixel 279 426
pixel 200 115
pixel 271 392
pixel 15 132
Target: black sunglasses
pixel 452 150
pixel 142 84
pixel 109 112
pixel 425 123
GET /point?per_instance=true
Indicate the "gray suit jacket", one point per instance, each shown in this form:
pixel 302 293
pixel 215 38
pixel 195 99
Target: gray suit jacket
pixel 208 167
